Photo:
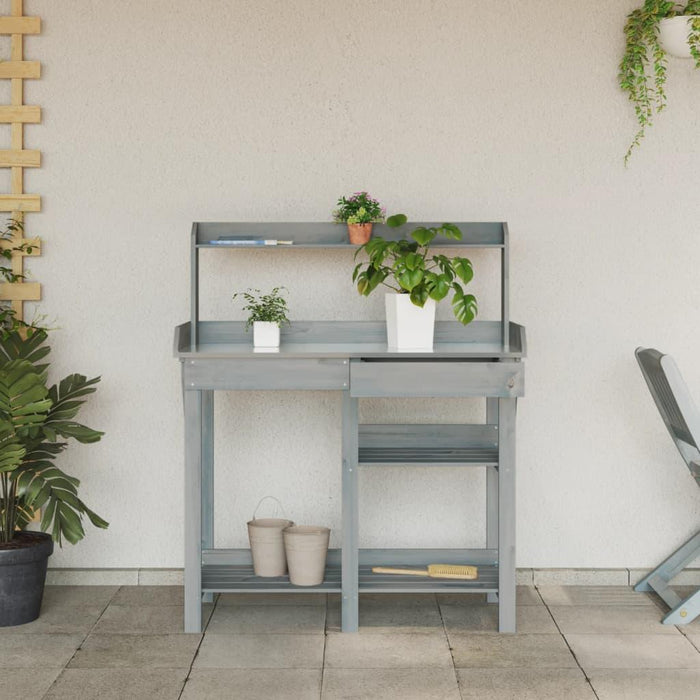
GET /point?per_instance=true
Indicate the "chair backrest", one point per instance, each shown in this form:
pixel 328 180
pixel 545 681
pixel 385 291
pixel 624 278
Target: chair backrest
pixel 675 404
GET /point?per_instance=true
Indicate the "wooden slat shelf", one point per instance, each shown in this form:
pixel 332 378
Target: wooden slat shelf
pixel 330 235
pixel 427 456
pixel 241 579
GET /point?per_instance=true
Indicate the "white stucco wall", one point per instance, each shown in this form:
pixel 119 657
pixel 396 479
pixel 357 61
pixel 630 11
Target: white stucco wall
pixel 159 113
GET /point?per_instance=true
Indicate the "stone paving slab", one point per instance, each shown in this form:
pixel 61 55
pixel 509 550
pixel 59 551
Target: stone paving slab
pixel 117 684
pixel 646 684
pixel 593 595
pixel 510 651
pixel 399 650
pixel 529 619
pixel 261 651
pixel 390 684
pixel 608 619
pixel 37 650
pixel 137 651
pixel 18 683
pixel 524 684
pixel 263 619
pixel 253 684
pixel 633 651
pixel 391 615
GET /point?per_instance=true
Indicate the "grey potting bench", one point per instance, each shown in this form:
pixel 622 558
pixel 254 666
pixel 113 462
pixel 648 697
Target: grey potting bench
pixel 479 360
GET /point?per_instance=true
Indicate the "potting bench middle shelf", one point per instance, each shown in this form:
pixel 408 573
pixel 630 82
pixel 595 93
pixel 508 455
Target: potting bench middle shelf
pixel 353 359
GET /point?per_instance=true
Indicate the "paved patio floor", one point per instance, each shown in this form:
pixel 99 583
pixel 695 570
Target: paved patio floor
pixel 573 643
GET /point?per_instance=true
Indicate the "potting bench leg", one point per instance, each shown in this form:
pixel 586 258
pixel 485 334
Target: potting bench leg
pixel 193 510
pixel 492 494
pixel 350 554
pixel 207 477
pixel 506 515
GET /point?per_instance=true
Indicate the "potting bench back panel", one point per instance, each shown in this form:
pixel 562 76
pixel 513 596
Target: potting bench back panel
pixel 206 235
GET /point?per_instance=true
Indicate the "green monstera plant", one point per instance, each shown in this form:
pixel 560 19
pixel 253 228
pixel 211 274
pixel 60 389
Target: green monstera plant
pixel 35 423
pixel 409 267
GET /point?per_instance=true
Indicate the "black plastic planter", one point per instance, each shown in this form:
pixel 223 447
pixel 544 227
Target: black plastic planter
pixel 22 576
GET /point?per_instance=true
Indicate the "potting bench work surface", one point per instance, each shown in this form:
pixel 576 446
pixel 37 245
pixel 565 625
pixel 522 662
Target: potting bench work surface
pixel 353 359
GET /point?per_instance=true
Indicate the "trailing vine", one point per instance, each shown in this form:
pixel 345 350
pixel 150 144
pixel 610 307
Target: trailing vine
pixel 642 72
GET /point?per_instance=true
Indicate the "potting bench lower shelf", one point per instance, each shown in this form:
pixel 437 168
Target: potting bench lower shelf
pixel 352 358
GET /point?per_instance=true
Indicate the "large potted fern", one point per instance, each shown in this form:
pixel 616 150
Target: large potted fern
pixel 36 421
pixel 652 32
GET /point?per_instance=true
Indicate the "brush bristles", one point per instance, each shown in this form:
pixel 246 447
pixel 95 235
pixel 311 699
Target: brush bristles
pixel 452 571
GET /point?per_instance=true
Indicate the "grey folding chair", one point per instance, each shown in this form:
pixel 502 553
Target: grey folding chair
pixel 682 419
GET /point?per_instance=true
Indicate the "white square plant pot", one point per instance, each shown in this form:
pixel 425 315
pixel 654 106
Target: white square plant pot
pixel 673 35
pixel 266 334
pixel 409 327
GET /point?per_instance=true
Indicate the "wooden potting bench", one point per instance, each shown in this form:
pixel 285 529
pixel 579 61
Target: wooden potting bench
pixel 352 358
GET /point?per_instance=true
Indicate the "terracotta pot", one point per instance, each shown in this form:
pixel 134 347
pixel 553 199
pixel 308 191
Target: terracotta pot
pixel 359 234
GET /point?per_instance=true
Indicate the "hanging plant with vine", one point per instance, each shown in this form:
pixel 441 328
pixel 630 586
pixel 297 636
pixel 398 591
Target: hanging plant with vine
pixel 643 67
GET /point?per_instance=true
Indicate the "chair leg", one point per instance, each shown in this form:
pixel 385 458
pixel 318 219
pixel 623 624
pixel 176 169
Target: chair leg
pixel 673 565
pixel 682 611
pixel 685 612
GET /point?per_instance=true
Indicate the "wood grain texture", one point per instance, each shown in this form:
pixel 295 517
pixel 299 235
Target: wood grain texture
pixel 20 69
pixel 20 202
pixel 22 114
pixel 20 291
pixel 20 158
pixel 20 25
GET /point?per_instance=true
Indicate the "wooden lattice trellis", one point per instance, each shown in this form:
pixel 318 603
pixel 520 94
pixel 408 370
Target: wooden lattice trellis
pixel 17 114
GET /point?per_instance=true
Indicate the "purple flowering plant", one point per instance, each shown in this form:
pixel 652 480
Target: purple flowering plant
pixel 359 208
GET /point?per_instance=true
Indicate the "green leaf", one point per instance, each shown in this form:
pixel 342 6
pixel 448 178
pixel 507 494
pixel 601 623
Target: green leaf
pixel 11 451
pixel 423 236
pixel 413 261
pixel 440 288
pixel 409 279
pixel 451 231
pixel 419 296
pixel 463 305
pixel 396 220
pixel 463 268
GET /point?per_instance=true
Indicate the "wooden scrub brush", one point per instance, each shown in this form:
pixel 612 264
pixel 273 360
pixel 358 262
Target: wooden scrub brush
pixel 433 571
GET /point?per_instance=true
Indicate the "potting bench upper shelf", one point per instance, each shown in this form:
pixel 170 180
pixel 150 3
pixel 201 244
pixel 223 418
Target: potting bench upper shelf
pixel 479 360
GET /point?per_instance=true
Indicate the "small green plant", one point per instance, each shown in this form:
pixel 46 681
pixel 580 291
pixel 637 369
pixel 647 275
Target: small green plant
pixel 407 267
pixel 35 422
pixel 270 307
pixel 8 318
pixel 359 208
pixel 643 68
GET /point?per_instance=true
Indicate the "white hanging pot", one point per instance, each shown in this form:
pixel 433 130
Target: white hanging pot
pixel 409 327
pixel 266 334
pixel 673 35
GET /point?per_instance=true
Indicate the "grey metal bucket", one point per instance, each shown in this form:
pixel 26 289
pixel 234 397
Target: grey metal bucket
pixel 307 548
pixel 267 543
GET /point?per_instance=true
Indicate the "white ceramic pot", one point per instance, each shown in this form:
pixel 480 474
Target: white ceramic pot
pixel 266 334
pixel 409 327
pixel 673 36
